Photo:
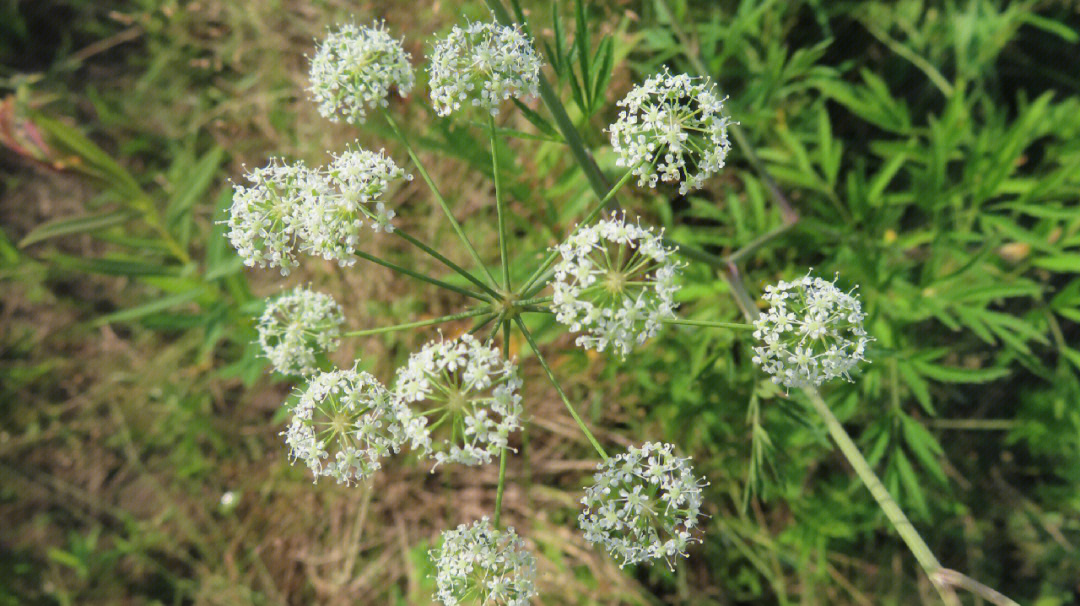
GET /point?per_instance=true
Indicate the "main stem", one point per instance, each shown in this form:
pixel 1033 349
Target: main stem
pixel 914 541
pixel 438 196
pixel 573 413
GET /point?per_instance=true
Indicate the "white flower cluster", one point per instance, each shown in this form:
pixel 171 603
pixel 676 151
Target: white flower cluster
pixel 353 70
pixel 479 564
pixel 470 391
pixel 343 424
pixel 297 326
pixel 318 210
pixel 263 226
pixel 485 64
pixel 615 280
pixel 643 505
pixel 811 333
pixel 355 179
pixel 672 129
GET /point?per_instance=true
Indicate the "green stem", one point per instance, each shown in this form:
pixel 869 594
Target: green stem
pixel 438 196
pixel 573 413
pixel 534 301
pixel 500 214
pixel 420 276
pixel 447 262
pixel 500 488
pixel 460 316
pixel 911 537
pixel 708 323
pixel 502 455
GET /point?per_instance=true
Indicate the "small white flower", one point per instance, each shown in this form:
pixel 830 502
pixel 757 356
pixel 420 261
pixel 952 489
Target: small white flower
pixel 353 182
pixel 615 281
pixel 643 505
pixel 354 69
pixel 296 327
pixel 812 332
pixel 479 564
pixel 263 224
pixel 672 129
pixel 228 499
pixel 465 390
pixel 344 423
pixel 483 65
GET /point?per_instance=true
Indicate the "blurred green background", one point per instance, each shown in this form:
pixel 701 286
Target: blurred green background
pixel 930 149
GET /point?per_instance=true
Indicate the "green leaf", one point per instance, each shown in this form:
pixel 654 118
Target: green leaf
pixel 603 64
pixel 98 163
pixel 912 486
pixel 951 374
pixel 196 182
pixel 919 387
pixel 152 307
pixel 924 446
pixel 1064 263
pixel 76 225
pixel 112 266
pixel 538 121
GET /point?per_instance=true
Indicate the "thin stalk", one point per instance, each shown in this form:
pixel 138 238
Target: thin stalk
pixel 600 206
pixel 708 323
pixel 472 313
pixel 500 488
pixel 420 276
pixel 758 242
pixel 535 301
pixel 438 196
pixel 573 413
pixel 502 455
pixel 482 324
pixel 911 537
pixel 447 262
pixel 503 256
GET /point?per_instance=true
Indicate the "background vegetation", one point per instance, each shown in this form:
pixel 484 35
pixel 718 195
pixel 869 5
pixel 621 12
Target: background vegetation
pixel 929 152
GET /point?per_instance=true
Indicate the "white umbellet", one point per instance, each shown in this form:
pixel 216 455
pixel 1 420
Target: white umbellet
pixel 297 326
pixel 343 425
pixel 643 505
pixel 264 217
pixel 352 188
pixel 470 392
pixel 615 281
pixel 480 564
pixel 672 128
pixel 353 70
pixel 812 332
pixel 483 64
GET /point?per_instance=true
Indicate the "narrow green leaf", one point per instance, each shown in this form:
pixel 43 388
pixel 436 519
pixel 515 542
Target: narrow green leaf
pixel 196 183
pixel 72 141
pixel 1064 263
pixel 538 121
pixel 76 225
pixel 950 374
pixel 152 307
pixel 112 266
